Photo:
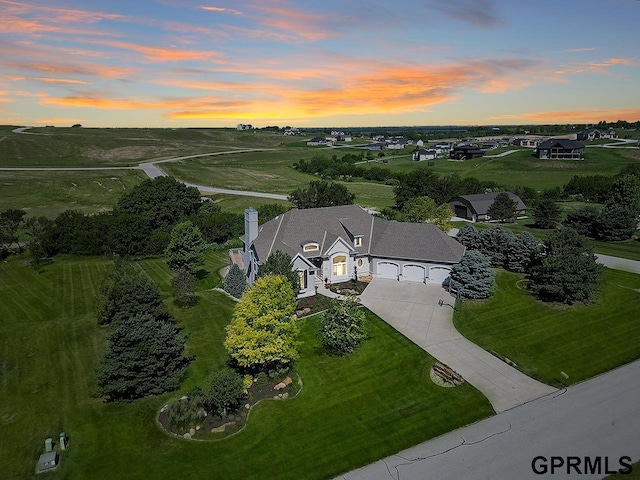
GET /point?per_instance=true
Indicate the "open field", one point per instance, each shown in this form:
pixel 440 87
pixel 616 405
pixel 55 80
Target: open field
pixel 89 147
pixel 50 193
pixel 350 411
pixel 546 339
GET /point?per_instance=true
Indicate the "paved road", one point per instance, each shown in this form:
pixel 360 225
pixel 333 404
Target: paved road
pixel 413 309
pixel 600 417
pixel 618 263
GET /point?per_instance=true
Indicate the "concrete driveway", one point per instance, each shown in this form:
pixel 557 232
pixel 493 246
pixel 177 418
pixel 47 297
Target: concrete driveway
pixel 412 309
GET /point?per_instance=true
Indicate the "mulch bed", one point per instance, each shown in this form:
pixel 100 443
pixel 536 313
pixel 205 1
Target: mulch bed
pixel 310 305
pixel 214 427
pixel 352 287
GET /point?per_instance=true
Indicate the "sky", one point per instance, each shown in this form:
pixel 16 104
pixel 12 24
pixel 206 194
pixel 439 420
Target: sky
pixel 304 63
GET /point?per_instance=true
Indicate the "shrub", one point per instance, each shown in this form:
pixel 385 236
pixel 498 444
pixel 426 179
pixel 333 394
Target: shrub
pixel 184 284
pixel 473 277
pixel 342 326
pixel 225 393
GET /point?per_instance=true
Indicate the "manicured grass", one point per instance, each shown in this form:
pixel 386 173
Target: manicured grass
pixel 351 410
pixel 238 203
pixel 372 195
pixel 546 339
pixel 50 193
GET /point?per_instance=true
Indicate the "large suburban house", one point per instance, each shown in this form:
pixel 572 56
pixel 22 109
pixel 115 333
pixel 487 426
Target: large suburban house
pixel 422 155
pixel 475 207
pixel 595 134
pixel 337 244
pixel 560 149
pixel 466 152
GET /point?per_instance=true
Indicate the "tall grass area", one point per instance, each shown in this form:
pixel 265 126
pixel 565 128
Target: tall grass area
pixel 351 411
pixel 546 339
pixel 51 193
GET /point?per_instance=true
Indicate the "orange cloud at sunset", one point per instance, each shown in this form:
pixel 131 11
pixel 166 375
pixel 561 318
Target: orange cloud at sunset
pixel 159 54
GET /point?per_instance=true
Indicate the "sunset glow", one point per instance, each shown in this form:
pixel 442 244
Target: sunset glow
pixel 179 63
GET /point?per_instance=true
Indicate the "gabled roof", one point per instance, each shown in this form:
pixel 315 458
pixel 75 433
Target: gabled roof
pixel 482 201
pixel 380 237
pixel 562 142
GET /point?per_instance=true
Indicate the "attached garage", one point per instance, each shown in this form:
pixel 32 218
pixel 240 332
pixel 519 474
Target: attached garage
pixel 438 274
pixel 413 273
pixel 388 270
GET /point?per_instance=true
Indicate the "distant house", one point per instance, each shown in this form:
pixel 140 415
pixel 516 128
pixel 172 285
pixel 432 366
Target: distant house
pixel 443 148
pixel 489 145
pixel 475 207
pixel 397 143
pixel 377 146
pixel 560 149
pixel 317 141
pixel 466 152
pixel 527 142
pixel 419 143
pixel 595 134
pixel 336 244
pixel 421 155
pixel 243 126
pixel 292 131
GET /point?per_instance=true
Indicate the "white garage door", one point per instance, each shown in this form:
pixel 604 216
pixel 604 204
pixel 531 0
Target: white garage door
pixel 388 270
pixel 413 273
pixel 438 274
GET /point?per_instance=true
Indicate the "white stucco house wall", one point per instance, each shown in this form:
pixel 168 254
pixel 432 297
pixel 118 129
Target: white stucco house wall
pixel 337 244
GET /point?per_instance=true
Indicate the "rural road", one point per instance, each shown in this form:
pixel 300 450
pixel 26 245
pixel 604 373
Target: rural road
pixel 596 418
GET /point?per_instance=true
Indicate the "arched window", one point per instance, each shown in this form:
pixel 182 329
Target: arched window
pixel 339 266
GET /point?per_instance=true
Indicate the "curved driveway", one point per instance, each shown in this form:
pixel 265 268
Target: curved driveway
pixel 413 309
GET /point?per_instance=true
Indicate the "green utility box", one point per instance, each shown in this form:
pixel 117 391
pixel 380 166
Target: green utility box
pixel 48 444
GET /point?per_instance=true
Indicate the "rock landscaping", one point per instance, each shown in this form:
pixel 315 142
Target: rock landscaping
pixel 198 424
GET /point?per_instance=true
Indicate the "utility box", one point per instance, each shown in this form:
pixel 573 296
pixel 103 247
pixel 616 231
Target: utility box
pixel 47 461
pixel 48 444
pixel 63 440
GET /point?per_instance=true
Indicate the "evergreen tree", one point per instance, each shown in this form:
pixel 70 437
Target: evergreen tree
pixel 583 221
pixel 279 263
pixel 546 214
pixel 473 276
pixel 524 252
pixel 342 326
pixel 186 247
pixel 235 282
pixel 495 245
pixel 568 272
pixel 503 208
pixel 145 357
pixel 470 237
pixel 262 333
pixel 615 223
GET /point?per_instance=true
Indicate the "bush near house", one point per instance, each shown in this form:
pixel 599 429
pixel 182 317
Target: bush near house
pixel 342 326
pixel 235 281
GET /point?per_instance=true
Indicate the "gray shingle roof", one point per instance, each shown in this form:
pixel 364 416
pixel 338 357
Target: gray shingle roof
pixel 482 201
pixel 416 241
pixel 563 142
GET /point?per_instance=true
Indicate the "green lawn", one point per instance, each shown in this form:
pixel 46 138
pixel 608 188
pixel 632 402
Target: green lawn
pixel 50 193
pixel 351 410
pixel 545 339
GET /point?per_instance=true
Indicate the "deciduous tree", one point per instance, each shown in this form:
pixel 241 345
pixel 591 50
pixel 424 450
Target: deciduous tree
pixel 262 333
pixel 321 194
pixel 342 326
pixel 279 263
pixel 425 210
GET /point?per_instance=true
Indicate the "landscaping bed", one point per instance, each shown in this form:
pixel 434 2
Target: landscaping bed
pixel 311 305
pixel 352 287
pixel 193 422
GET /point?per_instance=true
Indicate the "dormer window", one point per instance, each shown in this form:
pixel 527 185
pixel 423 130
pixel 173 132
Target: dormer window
pixel 310 247
pixel 357 241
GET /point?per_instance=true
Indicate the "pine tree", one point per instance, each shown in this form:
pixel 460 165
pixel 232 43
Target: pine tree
pixel 145 356
pixel 546 214
pixel 235 281
pixel 186 247
pixel 473 276
pixel 279 263
pixel 503 208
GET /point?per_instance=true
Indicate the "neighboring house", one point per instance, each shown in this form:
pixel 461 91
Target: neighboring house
pixel 489 145
pixel 421 155
pixel 397 143
pixel 466 152
pixel 527 142
pixel 419 143
pixel 443 148
pixel 242 126
pixel 292 131
pixel 337 244
pixel 560 149
pixel 595 134
pixel 316 141
pixel 475 207
pixel 376 146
